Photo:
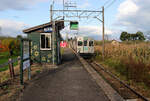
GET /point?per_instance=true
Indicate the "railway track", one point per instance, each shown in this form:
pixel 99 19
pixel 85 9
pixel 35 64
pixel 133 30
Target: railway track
pixel 122 88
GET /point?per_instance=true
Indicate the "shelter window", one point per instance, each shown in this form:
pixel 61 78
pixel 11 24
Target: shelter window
pixel 91 43
pixel 80 43
pixel 45 41
pixel 85 43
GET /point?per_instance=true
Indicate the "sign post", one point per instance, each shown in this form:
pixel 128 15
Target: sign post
pixel 25 59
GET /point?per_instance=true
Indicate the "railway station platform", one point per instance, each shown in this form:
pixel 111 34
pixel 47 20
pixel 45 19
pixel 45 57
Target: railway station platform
pixel 69 82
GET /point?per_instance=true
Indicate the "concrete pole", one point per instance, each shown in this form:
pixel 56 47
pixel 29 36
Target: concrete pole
pixel 63 9
pixel 53 33
pixel 103 50
pixel 53 41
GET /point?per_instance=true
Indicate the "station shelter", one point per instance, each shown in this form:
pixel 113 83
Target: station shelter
pixel 42 44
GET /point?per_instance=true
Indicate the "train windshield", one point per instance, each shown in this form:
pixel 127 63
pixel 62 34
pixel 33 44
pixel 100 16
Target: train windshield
pixel 91 43
pixel 80 43
pixel 85 43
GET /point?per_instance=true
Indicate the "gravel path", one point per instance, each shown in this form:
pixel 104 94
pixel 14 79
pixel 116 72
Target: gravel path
pixel 69 82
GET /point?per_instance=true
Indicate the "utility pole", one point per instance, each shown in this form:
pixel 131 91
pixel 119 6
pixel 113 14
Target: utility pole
pixel 53 38
pixel 66 37
pixel 103 50
pixel 63 9
pixel 53 33
pixel 51 15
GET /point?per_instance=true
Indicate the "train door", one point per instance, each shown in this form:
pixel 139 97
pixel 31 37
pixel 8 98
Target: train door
pixel 91 46
pixel 85 47
pixel 80 45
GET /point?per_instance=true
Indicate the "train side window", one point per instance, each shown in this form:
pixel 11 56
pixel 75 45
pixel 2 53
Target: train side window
pixel 85 43
pixel 91 43
pixel 80 43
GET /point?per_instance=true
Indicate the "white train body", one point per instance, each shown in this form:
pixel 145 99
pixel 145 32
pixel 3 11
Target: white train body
pixel 83 45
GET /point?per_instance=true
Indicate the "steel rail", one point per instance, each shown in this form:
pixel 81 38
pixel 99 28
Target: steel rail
pixel 111 74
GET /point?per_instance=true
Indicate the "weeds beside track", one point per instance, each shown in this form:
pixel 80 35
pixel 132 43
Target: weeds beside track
pixel 122 88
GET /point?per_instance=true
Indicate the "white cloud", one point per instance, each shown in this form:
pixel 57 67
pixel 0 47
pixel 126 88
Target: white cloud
pixel 91 31
pixel 85 4
pixel 11 28
pixel 127 8
pixel 18 4
pixel 134 15
pixel 25 4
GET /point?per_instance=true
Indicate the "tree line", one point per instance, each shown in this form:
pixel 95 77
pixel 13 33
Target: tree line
pixel 125 36
pixel 9 44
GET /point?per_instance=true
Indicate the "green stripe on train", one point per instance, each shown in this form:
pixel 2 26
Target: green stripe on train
pixel 85 38
pixel 86 48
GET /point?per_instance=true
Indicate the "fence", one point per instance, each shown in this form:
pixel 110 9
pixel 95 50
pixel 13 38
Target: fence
pixel 10 64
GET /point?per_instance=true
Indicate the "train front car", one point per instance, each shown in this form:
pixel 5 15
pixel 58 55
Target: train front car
pixel 85 46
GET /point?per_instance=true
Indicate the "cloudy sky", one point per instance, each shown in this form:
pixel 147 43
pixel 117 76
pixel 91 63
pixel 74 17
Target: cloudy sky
pixel 122 15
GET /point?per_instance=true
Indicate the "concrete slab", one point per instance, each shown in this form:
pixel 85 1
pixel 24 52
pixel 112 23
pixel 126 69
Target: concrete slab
pixel 108 90
pixel 69 82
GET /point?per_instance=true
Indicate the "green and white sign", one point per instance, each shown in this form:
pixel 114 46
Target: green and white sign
pixel 74 25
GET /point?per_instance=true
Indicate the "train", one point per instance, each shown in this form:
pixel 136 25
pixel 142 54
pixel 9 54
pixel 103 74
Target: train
pixel 84 46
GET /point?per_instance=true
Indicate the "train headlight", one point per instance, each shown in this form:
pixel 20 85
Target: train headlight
pixel 79 50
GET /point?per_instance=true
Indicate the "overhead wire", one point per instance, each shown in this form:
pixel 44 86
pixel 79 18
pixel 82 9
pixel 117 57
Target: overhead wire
pixel 110 4
pixel 107 4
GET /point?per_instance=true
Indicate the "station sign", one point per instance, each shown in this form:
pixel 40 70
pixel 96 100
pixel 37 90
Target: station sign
pixel 74 25
pixel 48 29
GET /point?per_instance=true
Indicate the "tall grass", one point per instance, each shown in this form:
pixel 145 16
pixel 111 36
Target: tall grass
pixel 131 60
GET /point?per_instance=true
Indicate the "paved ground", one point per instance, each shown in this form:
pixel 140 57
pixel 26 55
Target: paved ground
pixel 70 82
